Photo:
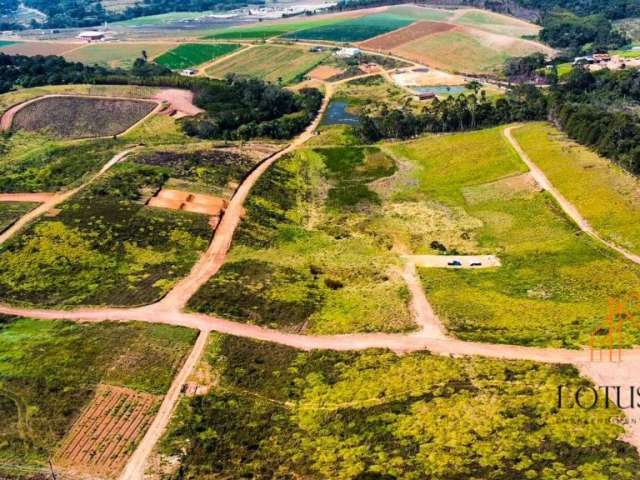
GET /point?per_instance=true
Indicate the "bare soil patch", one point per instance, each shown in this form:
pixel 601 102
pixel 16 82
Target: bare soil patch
pixel 408 34
pixel 324 72
pixel 103 437
pixel 31 49
pixel 189 202
pixel 80 117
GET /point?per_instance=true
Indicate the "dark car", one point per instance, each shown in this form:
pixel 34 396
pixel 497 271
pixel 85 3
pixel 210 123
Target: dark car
pixel 455 263
pixel 476 264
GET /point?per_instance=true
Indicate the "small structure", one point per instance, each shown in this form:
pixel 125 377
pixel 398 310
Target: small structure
pixel 316 49
pixel 601 57
pixel 426 95
pixel 188 72
pixel 91 36
pixel 348 52
pixel 583 60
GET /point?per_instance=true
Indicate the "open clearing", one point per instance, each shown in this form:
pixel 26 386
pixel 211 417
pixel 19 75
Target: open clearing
pixel 607 196
pixel 51 370
pixel 496 23
pixel 560 277
pixel 103 437
pixel 116 55
pixel 81 117
pixel 192 54
pixel 31 49
pixel 343 415
pixel 274 63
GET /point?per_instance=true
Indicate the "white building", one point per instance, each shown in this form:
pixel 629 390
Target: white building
pixel 91 36
pixel 348 52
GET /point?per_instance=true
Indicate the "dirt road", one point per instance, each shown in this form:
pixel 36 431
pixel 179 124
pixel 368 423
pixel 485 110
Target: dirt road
pixel 566 206
pixel 26 197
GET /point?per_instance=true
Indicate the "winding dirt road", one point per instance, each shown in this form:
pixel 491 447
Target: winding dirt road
pixel 566 206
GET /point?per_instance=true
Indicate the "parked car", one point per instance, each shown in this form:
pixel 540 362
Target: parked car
pixel 455 263
pixel 476 264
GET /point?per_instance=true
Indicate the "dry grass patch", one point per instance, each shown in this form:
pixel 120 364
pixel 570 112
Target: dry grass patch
pixel 31 49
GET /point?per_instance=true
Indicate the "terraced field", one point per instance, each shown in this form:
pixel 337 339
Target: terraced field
pixel 274 63
pixel 192 54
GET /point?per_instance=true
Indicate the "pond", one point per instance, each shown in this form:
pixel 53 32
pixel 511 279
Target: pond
pixel 337 114
pixel 440 89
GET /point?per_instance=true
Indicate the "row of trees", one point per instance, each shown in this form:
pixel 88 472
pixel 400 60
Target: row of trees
pixel 464 112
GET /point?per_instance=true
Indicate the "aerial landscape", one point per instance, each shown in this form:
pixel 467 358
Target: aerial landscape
pixel 353 240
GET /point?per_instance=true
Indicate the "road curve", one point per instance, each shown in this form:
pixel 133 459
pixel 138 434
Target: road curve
pixel 565 204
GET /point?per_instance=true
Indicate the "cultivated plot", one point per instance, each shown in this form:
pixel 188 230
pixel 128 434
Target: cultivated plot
pixel 31 49
pixel 192 54
pixel 324 414
pixel 274 63
pixel 116 55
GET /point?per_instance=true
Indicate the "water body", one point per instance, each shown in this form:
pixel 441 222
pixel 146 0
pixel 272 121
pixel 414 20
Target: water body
pixel 337 114
pixel 440 89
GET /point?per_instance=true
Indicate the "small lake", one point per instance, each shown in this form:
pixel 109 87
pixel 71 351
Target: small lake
pixel 440 89
pixel 337 114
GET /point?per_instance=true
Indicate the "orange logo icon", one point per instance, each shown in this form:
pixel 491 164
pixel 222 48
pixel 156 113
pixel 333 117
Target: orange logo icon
pixel 607 338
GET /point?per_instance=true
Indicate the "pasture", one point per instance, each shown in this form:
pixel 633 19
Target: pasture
pixel 607 196
pixel 192 54
pixel 81 117
pixel 344 415
pixel 354 30
pixel 274 63
pixel 496 23
pixel 116 55
pixel 51 370
pixel 560 277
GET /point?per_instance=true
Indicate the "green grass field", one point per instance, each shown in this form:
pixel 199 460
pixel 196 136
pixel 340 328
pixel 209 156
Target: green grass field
pixel 606 195
pixel 354 30
pixel 420 13
pixel 116 55
pixel 49 371
pixel 559 277
pixel 161 19
pixel 307 257
pixel 265 30
pixel 497 23
pixel 6 43
pixel 192 54
pixel 275 412
pixel 274 63
pixel 12 211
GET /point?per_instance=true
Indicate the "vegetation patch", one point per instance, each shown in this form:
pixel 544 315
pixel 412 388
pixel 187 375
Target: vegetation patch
pixel 561 278
pixel 105 247
pixel 192 54
pixel 12 211
pixel 50 370
pixel 264 31
pixel 281 413
pixel 77 117
pixel 304 258
pixel 116 55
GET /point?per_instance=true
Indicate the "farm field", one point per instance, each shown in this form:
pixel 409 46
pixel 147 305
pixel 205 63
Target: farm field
pixel 117 55
pixel 324 414
pixel 465 49
pixel 192 54
pixel 307 257
pixel 160 19
pixel 607 196
pixel 562 279
pixel 31 49
pixel 416 12
pixel 78 117
pixel 274 63
pixel 264 30
pixel 496 23
pixel 51 370
pixel 354 30
pixel 370 94
pixel 11 211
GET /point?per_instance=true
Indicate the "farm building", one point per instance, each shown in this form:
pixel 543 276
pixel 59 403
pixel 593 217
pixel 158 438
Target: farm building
pixel 188 72
pixel 91 36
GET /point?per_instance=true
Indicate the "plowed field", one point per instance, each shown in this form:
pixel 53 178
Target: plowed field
pixel 405 35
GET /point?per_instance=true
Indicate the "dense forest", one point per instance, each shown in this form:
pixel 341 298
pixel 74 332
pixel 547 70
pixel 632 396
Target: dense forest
pixel 85 13
pixel 464 112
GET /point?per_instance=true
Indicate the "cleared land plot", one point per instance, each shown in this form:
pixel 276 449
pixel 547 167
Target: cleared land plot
pixel 306 258
pixel 354 30
pixel 31 49
pixel 192 54
pixel 12 211
pixel 50 372
pixel 77 117
pixel 160 19
pixel 607 196
pixel 116 55
pixel 331 415
pixel 467 50
pixel 370 94
pixel 497 23
pixel 405 35
pixel 324 72
pixel 420 13
pixel 554 283
pixel 273 63
pixel 104 436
